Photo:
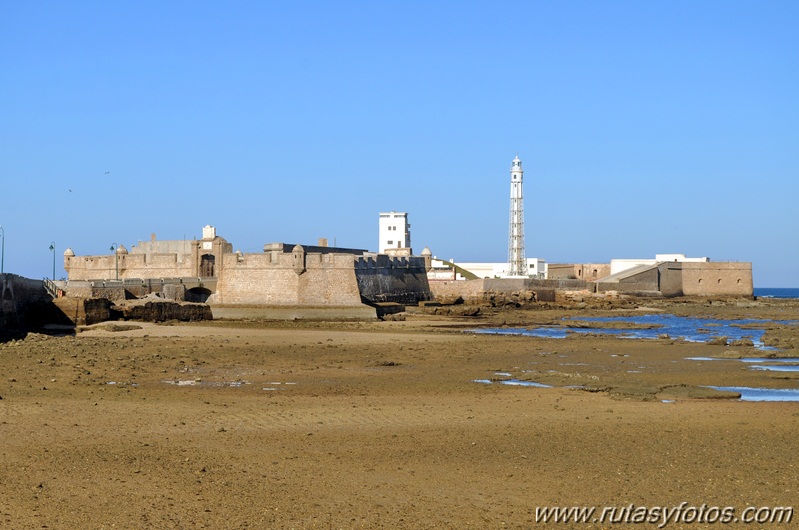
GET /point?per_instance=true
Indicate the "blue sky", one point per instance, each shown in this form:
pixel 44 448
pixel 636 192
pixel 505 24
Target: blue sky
pixel 644 127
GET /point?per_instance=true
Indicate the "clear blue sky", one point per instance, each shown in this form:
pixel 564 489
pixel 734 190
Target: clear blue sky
pixel 644 127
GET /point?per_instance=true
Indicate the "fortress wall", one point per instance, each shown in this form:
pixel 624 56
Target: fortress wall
pixel 383 278
pixel 670 279
pixel 506 284
pixel 557 271
pixel 257 286
pixel 144 266
pixel 329 282
pixel 80 289
pixel 90 267
pixel 270 279
pixel 445 291
pixel 483 289
pixel 689 279
pixel 517 284
pixel 182 248
pixel 627 287
pixel 717 279
pixel 23 303
pixel 580 271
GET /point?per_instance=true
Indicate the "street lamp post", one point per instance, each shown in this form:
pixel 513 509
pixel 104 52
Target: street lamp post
pixel 2 249
pixel 116 258
pixel 52 247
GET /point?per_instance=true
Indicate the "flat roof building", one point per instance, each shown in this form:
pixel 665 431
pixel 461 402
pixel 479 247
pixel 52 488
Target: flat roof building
pixel 394 232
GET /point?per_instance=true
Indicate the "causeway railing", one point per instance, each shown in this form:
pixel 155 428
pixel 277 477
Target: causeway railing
pixel 50 287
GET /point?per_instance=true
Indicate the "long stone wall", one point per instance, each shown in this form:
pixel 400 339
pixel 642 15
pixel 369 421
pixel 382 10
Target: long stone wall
pixel 579 271
pixel 717 279
pixel 688 279
pixel 150 260
pixel 482 290
pixel 450 290
pixel 128 265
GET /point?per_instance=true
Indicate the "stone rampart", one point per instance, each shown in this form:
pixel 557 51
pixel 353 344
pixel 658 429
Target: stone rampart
pixel 706 278
pixel 579 271
pixel 279 279
pixel 504 289
pixel 449 291
pixel 176 289
pixel 717 279
pixel 383 278
pixel 670 281
pixel 128 266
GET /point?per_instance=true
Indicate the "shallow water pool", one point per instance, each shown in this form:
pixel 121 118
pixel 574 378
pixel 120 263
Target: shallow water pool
pixel 513 382
pixel 762 394
pixel 686 328
pixel 760 363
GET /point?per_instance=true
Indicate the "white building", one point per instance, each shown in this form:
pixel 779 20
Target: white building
pixel 620 265
pixel 534 268
pixel 443 270
pixel 394 232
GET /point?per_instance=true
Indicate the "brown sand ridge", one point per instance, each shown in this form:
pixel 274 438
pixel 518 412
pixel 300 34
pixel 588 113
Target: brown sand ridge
pixel 368 425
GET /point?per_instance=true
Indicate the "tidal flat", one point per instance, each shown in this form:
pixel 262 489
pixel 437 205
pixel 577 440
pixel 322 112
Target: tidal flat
pixel 234 424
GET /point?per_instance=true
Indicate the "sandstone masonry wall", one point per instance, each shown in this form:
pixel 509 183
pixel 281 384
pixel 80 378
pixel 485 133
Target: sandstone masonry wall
pixel 717 279
pixel 179 259
pixel 689 279
pixel 130 266
pixel 449 291
pixel 491 289
pixel 579 271
pixel 272 279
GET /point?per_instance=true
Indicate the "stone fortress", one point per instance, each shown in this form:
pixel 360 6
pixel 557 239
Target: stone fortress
pixel 319 281
pixel 353 281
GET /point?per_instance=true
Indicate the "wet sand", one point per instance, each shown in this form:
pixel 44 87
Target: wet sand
pixel 365 425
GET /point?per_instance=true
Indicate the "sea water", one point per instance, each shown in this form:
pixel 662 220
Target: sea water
pixel 776 292
pixel 687 328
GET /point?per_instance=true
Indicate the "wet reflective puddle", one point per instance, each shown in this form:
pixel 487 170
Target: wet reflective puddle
pixel 512 382
pixel 762 394
pixel 785 364
pixel 652 327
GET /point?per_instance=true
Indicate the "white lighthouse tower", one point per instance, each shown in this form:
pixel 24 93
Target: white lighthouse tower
pixel 516 262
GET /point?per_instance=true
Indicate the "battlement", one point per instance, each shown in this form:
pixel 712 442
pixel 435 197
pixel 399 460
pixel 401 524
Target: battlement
pixel 378 261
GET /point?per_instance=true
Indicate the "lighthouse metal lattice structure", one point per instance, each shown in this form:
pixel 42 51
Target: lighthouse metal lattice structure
pixel 517 265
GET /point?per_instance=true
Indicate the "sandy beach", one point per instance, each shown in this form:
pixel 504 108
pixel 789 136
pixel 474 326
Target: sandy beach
pixel 381 424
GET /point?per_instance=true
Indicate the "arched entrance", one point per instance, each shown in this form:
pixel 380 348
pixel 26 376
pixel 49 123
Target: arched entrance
pixel 198 294
pixel 207 262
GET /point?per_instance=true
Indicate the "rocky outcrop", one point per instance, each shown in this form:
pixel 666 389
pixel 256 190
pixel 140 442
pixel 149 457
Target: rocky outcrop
pixel 157 310
pixel 84 311
pixel 88 311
